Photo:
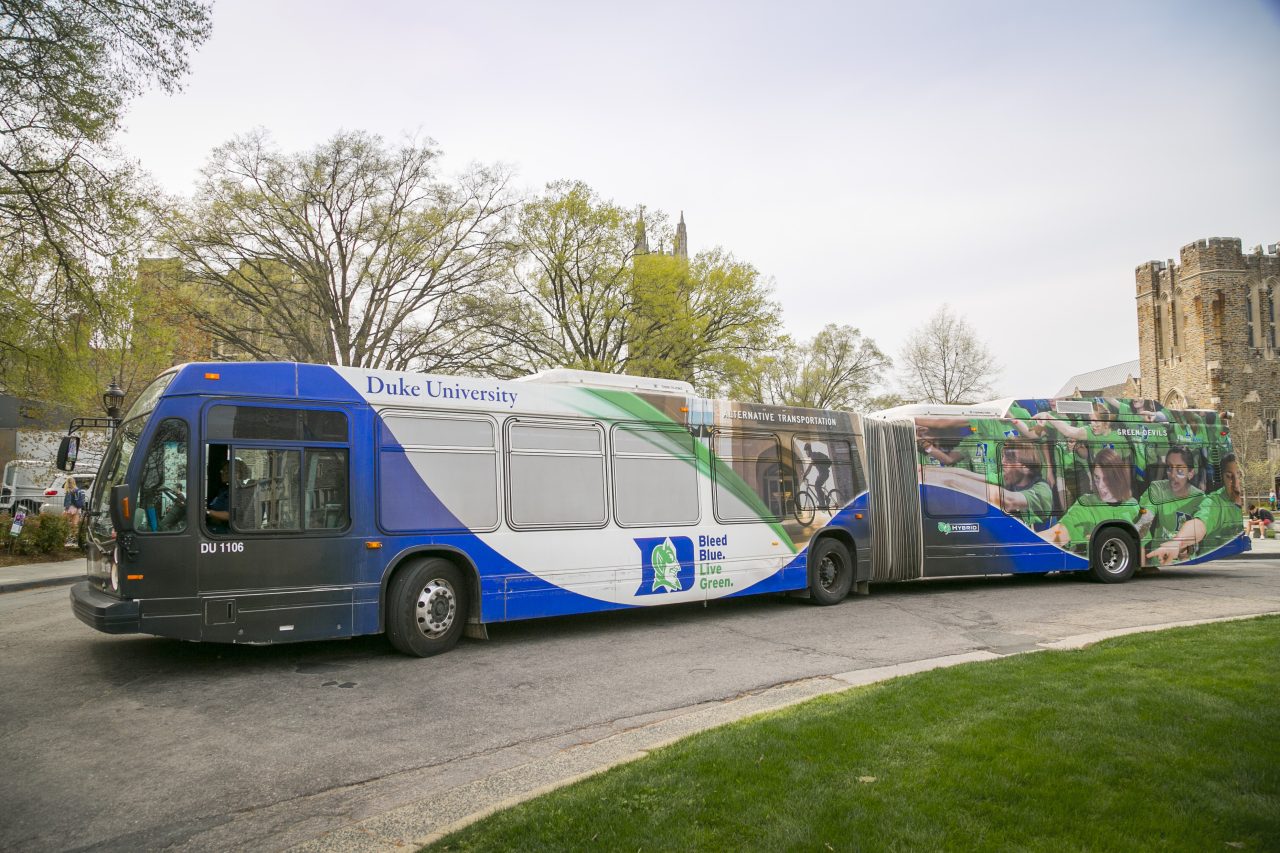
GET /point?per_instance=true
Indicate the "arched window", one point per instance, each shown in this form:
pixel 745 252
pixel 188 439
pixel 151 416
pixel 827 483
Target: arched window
pixel 1157 332
pixel 1269 312
pixel 1248 319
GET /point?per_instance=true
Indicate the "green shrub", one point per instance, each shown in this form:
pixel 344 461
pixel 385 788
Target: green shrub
pixel 41 534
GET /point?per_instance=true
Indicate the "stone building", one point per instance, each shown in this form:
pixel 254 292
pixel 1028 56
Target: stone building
pixel 1207 335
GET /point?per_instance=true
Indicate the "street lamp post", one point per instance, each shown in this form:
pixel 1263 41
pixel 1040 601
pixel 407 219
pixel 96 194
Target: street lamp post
pixel 111 400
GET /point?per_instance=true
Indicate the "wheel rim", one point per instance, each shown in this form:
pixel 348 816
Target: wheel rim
pixel 805 508
pixel 828 572
pixel 1114 557
pixel 436 609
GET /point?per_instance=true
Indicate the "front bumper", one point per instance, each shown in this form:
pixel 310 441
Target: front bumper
pixel 99 610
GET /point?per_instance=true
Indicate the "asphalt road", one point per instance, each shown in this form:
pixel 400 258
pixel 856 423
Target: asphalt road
pixel 133 743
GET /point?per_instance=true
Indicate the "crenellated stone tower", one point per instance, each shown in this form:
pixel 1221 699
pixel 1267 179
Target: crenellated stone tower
pixel 1207 334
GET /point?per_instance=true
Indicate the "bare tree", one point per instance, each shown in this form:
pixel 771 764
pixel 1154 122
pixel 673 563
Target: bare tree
pixel 944 362
pixel 835 370
pixel 353 253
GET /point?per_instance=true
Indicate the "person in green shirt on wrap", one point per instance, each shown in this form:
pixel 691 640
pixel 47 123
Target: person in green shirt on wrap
pixel 1112 500
pixel 1099 431
pixel 1217 520
pixel 1171 502
pixel 1020 488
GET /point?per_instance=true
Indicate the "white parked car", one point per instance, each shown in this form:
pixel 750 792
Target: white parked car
pixel 24 485
pixel 54 495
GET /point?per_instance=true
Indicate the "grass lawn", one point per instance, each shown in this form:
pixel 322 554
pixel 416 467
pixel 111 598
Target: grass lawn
pixel 1164 741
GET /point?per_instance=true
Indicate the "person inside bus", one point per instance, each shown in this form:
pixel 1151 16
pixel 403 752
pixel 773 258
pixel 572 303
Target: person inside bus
pixel 1112 499
pixel 1172 500
pixel 218 510
pixel 1217 520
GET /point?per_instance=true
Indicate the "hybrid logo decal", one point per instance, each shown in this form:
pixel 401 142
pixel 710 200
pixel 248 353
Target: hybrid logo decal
pixel 946 528
pixel 666 564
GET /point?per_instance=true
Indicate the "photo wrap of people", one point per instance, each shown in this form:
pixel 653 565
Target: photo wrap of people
pixel 1171 474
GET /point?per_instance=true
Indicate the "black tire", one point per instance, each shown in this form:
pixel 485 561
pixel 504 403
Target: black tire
pixel 830 572
pixel 1114 556
pixel 427 607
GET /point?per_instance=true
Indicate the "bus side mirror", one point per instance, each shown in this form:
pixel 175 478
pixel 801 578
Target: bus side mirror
pixel 121 511
pixel 68 450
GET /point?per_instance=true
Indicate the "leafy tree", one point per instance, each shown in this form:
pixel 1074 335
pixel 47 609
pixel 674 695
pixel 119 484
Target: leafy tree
pixel 582 295
pixel 943 361
pixel 702 320
pixel 66 72
pixel 568 297
pixel 835 370
pixel 354 253
pixel 887 400
pixel 69 204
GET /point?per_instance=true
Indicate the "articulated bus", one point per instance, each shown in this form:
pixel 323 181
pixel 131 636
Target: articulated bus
pixel 278 502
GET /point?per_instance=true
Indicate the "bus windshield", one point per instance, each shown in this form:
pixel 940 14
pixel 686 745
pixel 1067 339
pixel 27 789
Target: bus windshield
pixel 115 463
pixel 114 466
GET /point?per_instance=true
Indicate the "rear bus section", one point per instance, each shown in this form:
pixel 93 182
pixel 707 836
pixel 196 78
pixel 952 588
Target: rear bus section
pixel 1102 486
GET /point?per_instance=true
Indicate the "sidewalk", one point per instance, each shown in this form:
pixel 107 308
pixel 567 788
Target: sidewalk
pixel 1266 548
pixel 32 575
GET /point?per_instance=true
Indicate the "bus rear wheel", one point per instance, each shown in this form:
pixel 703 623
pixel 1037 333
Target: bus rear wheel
pixel 427 608
pixel 830 572
pixel 1114 557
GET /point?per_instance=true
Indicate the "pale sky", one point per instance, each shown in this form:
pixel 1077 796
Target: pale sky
pixel 875 160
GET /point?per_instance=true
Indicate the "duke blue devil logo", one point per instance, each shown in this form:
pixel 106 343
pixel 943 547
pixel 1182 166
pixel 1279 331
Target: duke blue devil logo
pixel 666 564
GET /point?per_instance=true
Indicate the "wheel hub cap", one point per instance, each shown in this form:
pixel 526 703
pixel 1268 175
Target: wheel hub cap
pixel 437 608
pixel 1115 558
pixel 827 571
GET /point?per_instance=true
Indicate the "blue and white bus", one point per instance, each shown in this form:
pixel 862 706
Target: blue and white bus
pixel 263 503
pixel 277 502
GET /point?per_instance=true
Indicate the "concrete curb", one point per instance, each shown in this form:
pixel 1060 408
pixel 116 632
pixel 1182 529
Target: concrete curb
pixel 18 586
pixel 431 818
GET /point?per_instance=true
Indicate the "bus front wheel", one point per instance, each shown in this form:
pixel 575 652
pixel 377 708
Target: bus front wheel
pixel 1114 557
pixel 830 572
pixel 427 608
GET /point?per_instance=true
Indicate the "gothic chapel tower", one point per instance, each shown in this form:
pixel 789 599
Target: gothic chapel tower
pixel 1207 330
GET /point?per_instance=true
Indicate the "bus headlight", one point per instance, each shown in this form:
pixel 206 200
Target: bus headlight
pixel 115 576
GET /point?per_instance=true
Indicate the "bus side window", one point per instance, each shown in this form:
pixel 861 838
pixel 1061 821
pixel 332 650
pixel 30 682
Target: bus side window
pixel 162 492
pixel 556 474
pixel 1027 469
pixel 326 489
pixel 750 483
pixel 264 489
pixel 655 476
pixel 454 458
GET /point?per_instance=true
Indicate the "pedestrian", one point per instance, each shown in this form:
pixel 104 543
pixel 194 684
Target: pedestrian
pixel 72 505
pixel 1260 521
